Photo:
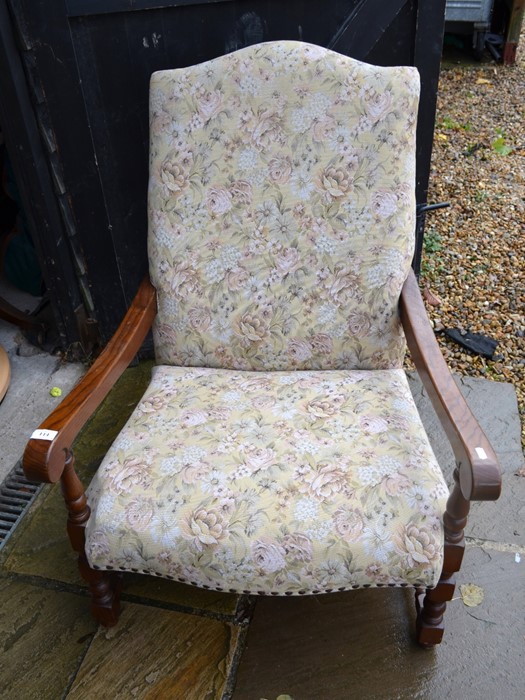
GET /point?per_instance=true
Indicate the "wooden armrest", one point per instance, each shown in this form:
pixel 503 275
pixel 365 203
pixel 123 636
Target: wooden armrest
pixel 479 473
pixel 44 460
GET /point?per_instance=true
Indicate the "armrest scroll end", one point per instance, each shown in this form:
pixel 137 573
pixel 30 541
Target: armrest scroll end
pixel 44 461
pixel 480 480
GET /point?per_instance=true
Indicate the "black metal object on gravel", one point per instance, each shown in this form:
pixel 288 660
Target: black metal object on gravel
pixel 475 342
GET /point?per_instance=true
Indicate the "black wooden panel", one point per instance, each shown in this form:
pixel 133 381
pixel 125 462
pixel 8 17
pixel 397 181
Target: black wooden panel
pixel 84 8
pixel 55 63
pixel 395 46
pixel 29 159
pixel 365 26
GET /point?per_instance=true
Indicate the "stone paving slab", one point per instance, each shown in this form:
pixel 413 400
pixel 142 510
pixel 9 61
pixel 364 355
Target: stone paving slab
pixel 360 644
pixel 158 654
pixel 51 649
pixel 502 520
pixel 44 636
pixel 39 547
pixel 494 405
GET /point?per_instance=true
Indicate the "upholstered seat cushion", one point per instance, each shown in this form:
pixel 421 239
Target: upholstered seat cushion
pixel 272 482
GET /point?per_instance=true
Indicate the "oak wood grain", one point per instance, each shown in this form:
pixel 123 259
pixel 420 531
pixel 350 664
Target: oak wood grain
pixel 479 473
pixel 44 460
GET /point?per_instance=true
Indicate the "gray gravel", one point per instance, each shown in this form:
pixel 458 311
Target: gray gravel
pixel 474 258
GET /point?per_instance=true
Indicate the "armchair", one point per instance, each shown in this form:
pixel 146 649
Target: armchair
pixel 277 450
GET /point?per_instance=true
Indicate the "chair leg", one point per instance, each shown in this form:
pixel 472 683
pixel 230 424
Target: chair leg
pixel 105 589
pixel 103 585
pixel 432 604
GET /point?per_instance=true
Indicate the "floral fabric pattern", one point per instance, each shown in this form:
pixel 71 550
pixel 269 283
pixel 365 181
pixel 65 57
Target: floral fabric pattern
pixel 281 230
pixel 281 209
pixel 272 482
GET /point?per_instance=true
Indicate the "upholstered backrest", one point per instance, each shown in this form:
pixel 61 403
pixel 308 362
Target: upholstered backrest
pixel 281 209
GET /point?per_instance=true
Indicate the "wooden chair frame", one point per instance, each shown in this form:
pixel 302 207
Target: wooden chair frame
pixel 476 477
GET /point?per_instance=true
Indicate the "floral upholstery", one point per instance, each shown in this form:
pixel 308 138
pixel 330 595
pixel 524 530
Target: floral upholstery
pixel 281 209
pixel 272 482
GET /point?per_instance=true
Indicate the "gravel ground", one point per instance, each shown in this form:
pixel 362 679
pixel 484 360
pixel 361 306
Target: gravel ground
pixel 474 258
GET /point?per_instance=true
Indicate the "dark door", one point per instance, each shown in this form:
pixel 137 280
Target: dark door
pixel 88 64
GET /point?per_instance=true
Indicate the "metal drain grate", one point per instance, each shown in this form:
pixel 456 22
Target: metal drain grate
pixel 16 495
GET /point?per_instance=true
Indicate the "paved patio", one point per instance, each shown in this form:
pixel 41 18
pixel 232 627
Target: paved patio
pixel 175 641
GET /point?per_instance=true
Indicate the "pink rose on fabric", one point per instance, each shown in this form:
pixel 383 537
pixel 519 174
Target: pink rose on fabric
pixel 375 573
pixel 167 334
pixel 322 344
pixel 132 472
pixel 209 104
pixel 298 546
pixel 300 350
pixel 184 279
pixel 322 129
pixel 139 513
pixel 418 544
pixel 378 105
pixel 263 401
pixel 199 318
pixel 325 407
pixel 344 286
pixel 241 191
pixel 268 129
pixel 359 324
pixel 205 527
pixel 237 278
pixel 336 182
pixel 325 482
pixel 161 123
pixel 255 385
pixel 396 484
pixel 268 555
pixel 384 203
pixel 219 200
pixel 261 458
pixel 313 52
pixel 405 193
pixel 288 260
pixel 348 523
pixel 191 473
pixel 373 424
pixel 98 546
pixel 250 328
pixel 194 417
pixel 153 404
pixel 173 176
pixel 280 170
pixel 220 413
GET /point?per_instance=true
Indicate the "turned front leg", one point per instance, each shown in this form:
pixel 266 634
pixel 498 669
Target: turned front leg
pixel 432 604
pixel 104 586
